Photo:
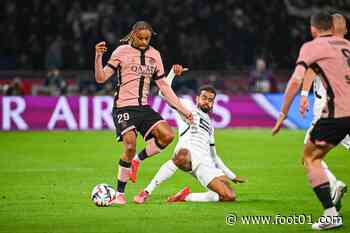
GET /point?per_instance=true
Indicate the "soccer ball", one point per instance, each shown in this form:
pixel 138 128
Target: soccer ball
pixel 102 194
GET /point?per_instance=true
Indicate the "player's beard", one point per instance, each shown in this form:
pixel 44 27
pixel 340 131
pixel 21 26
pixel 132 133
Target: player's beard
pixel 205 109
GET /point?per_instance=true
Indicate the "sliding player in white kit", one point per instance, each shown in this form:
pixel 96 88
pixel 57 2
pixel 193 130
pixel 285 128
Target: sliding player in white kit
pixel 195 153
pixel 338 188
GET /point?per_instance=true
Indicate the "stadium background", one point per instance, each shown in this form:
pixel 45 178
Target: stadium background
pixel 239 47
pixel 245 49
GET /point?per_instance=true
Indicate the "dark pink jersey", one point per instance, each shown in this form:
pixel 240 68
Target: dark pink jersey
pixel 329 57
pixel 135 69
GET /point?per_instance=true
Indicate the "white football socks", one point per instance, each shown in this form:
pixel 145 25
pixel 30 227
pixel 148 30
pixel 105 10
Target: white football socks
pixel 166 171
pixel 209 196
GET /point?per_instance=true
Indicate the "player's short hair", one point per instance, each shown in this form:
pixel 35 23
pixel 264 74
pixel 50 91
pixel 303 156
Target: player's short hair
pixel 208 89
pixel 322 21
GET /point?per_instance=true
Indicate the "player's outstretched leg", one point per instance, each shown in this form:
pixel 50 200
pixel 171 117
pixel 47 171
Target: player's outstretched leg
pixel 163 135
pixel 209 196
pixel 219 190
pixel 186 195
pixel 165 172
pixel 180 196
pixel 129 147
pixel 318 179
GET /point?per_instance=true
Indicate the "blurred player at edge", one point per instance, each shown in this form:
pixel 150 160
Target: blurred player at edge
pixel 136 63
pixel 329 57
pixel 338 188
pixel 195 153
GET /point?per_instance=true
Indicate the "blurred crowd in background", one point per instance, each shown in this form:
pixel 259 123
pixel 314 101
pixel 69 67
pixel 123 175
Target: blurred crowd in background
pixel 256 37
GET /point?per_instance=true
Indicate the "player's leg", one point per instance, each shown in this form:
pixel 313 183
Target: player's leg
pixel 212 178
pixel 181 159
pixel 331 177
pixel 157 133
pixel 318 179
pixel 326 134
pixel 186 195
pixel 338 188
pixel 219 190
pixel 221 186
pixel 129 148
pixel 165 172
pixel 124 121
pixel 162 135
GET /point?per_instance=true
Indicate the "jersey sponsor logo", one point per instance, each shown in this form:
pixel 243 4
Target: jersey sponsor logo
pixel 143 70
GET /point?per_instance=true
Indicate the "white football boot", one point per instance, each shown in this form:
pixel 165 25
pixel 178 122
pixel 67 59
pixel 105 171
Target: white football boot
pixel 329 220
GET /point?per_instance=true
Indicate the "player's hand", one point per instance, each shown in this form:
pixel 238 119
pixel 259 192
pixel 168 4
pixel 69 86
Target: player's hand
pixel 238 180
pixel 303 105
pixel 178 69
pixel 278 123
pixel 188 117
pixel 100 48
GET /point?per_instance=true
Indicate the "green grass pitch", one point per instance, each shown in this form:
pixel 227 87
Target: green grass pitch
pixel 46 179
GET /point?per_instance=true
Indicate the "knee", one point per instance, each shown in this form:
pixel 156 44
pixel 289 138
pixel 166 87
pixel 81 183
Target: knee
pixel 130 149
pixel 308 161
pixel 178 160
pixel 227 196
pixel 180 157
pixel 168 138
pixel 182 160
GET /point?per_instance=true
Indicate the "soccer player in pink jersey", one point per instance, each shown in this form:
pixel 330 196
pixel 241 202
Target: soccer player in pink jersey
pixel 136 64
pixel 338 188
pixel 329 58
